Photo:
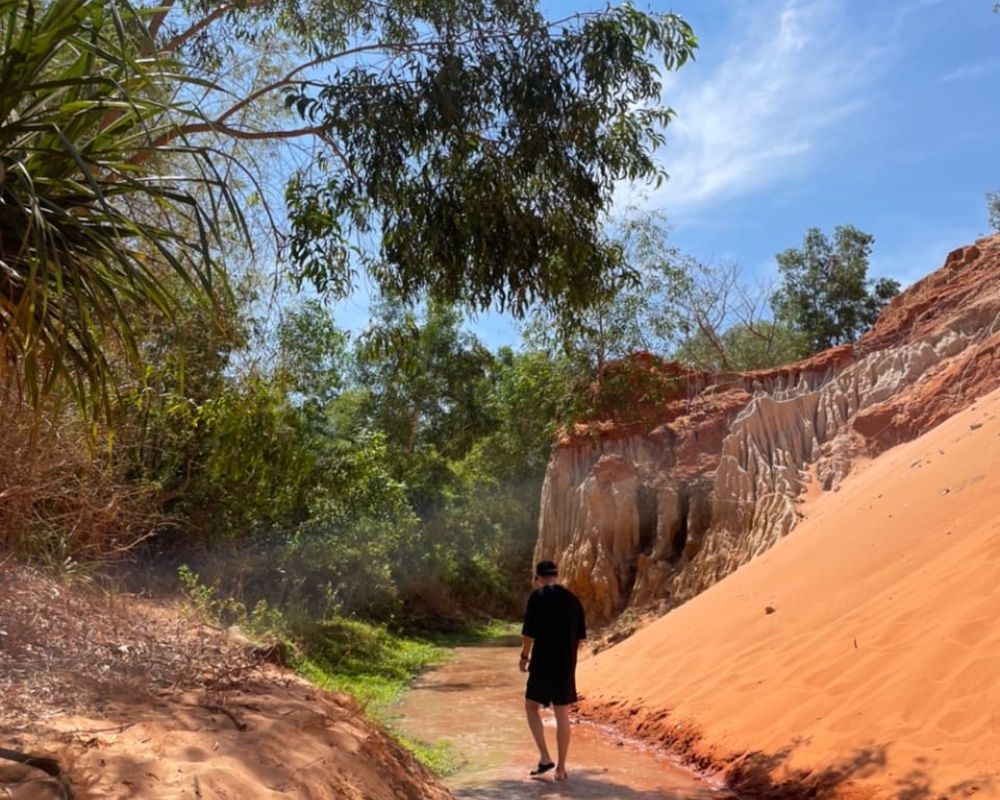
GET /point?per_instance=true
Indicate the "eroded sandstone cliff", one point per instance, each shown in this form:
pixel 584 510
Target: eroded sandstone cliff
pixel 656 511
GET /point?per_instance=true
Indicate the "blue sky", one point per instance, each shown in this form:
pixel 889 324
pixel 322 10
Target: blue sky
pixel 796 113
pixel 880 113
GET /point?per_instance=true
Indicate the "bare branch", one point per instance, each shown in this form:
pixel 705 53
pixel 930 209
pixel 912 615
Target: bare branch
pixel 241 134
pixel 290 78
pixel 286 80
pixel 236 133
pixel 159 18
pixel 175 44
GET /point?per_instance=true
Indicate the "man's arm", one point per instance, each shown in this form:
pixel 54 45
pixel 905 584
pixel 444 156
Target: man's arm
pixel 528 631
pixel 579 625
pixel 526 644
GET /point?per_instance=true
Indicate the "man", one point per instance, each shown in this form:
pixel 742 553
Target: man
pixel 553 628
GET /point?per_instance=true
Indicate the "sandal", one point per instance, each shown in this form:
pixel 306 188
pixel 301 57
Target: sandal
pixel 542 768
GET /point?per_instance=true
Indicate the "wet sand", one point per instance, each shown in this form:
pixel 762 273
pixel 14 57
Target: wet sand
pixel 476 702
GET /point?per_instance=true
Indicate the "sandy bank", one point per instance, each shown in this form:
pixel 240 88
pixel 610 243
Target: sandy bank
pixel 860 656
pixel 133 700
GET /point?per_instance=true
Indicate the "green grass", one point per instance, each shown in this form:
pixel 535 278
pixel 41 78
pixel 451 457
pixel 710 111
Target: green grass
pixel 376 667
pixel 491 632
pixel 365 661
pixel 440 757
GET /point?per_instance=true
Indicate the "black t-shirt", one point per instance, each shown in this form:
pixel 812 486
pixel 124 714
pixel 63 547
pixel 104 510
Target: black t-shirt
pixel 554 619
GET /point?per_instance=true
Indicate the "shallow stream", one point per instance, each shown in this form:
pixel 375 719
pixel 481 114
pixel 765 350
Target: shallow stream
pixel 476 702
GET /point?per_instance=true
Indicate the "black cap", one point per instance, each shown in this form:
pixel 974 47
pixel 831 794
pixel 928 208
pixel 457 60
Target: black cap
pixel 546 569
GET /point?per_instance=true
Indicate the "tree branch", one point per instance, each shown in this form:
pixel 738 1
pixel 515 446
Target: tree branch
pixel 236 133
pixel 174 44
pixel 159 18
pixel 289 78
pixel 241 134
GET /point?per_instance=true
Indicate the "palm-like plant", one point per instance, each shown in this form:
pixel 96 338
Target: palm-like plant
pixel 90 229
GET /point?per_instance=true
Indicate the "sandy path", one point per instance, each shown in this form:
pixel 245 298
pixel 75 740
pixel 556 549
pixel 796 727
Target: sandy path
pixel 476 703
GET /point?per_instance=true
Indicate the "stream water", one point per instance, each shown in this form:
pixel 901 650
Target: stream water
pixel 476 703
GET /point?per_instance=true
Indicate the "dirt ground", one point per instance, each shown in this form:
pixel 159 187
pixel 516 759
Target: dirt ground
pixel 115 697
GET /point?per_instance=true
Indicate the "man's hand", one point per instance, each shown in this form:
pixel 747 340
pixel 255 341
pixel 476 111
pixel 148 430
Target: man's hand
pixel 523 664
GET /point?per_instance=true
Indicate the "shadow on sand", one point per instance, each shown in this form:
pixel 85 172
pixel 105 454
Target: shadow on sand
pixel 753 777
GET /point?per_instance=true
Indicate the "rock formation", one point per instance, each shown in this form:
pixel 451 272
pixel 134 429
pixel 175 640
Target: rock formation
pixel 656 511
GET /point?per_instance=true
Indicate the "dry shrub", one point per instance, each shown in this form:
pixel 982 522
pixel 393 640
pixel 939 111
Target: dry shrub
pixel 631 387
pixel 68 648
pixel 64 496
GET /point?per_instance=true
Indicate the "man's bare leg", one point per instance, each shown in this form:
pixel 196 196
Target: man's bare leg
pixel 562 739
pixel 532 710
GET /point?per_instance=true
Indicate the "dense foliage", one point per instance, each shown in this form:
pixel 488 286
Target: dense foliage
pixel 826 294
pixel 396 475
pixel 639 311
pixel 466 150
pixel 90 223
pixel 462 154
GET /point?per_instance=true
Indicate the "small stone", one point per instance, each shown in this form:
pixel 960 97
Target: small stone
pixel 769 609
pixel 945 491
pixel 975 426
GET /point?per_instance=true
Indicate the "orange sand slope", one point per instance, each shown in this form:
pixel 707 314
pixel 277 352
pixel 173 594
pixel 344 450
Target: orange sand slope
pixel 878 670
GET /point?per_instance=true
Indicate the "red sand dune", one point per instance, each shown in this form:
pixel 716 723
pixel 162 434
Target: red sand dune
pixel 877 673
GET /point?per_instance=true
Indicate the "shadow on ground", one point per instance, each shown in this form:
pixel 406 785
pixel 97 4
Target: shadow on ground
pixel 585 783
pixel 753 777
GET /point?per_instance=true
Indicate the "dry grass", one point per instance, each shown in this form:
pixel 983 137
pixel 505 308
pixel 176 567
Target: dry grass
pixel 68 649
pixel 63 496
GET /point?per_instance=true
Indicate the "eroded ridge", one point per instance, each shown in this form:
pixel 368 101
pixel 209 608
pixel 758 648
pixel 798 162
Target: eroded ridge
pixel 654 511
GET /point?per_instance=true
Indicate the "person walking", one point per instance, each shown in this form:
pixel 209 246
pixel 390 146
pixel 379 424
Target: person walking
pixel 554 626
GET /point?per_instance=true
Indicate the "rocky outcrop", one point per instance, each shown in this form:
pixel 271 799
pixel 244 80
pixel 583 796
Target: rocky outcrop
pixel 655 511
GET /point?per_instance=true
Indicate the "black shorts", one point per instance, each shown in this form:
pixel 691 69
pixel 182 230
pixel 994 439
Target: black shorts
pixel 547 688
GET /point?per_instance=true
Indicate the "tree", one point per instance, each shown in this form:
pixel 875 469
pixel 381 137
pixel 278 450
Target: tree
pixel 993 208
pixel 87 228
pixel 742 347
pixel 699 314
pixel 638 311
pixel 426 381
pixel 313 352
pixel 727 324
pixel 466 150
pixel 530 394
pixel 825 292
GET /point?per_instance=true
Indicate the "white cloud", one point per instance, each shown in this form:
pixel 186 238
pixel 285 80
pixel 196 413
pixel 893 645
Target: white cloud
pixel 764 109
pixel 971 71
